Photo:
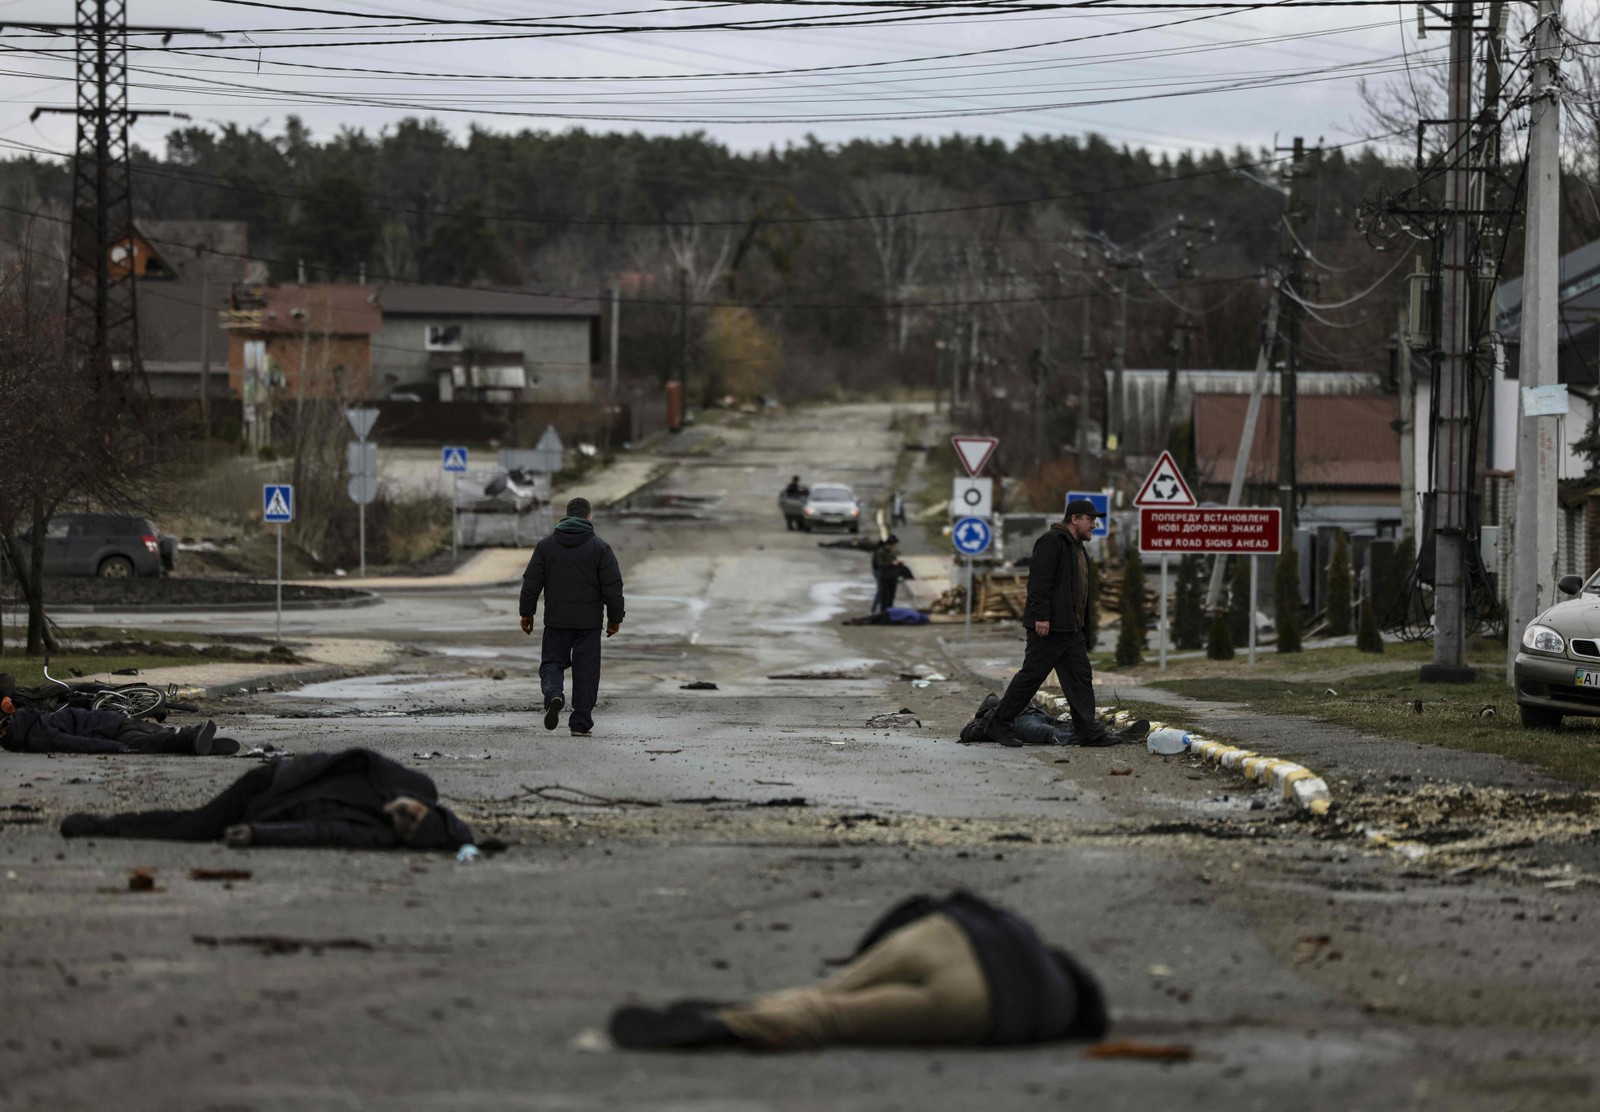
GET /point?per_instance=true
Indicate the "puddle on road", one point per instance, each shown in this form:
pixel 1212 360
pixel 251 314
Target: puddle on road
pixel 828 600
pixel 669 505
pixel 388 686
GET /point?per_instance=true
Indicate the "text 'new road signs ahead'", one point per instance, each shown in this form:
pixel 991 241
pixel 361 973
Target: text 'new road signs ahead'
pixel 972 536
pixel 455 459
pixel 974 451
pixel 277 503
pixel 1164 486
pixel 1216 531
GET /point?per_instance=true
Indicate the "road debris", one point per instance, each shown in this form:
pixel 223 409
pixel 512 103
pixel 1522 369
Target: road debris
pixel 220 874
pixel 703 685
pixel 282 943
pixel 143 880
pixel 1146 1052
pixel 902 717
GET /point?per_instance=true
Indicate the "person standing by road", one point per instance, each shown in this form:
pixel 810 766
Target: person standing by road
pixel 1054 618
pixel 581 582
pixel 886 573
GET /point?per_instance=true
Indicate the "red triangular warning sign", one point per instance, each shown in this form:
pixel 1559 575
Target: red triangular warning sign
pixel 1164 486
pixel 974 451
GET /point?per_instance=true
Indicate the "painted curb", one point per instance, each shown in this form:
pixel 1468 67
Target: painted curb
pixel 1295 783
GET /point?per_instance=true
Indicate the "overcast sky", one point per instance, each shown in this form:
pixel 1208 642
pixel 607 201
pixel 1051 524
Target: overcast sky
pixel 1137 81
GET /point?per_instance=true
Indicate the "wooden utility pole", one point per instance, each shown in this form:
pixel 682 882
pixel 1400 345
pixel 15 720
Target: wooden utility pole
pixel 1289 387
pixel 1085 355
pixel 1534 569
pixel 1119 357
pixel 208 321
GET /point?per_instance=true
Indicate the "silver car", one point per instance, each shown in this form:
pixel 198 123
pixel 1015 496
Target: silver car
pixel 831 505
pixel 1557 670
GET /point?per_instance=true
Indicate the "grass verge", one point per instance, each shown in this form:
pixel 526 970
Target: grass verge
pixel 29 670
pixel 1479 717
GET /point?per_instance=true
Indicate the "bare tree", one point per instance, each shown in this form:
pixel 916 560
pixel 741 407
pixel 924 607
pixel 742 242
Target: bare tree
pixel 902 232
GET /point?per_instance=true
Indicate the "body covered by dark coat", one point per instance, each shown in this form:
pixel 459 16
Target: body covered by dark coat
pixel 1032 726
pixel 1037 994
pixel 76 730
pixel 332 799
pixel 578 575
pixel 1057 589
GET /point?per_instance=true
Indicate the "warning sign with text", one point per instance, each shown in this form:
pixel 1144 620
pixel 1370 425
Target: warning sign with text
pixel 1224 531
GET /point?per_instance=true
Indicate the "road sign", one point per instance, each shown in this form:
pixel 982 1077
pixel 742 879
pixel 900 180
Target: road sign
pixel 974 451
pixel 972 498
pixel 972 536
pixel 455 459
pixel 361 420
pixel 1164 486
pixel 363 489
pixel 361 458
pixel 277 503
pixel 1102 503
pixel 1216 531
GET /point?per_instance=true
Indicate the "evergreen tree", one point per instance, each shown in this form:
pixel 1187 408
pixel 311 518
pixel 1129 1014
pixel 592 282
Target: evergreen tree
pixel 1219 646
pixel 1339 587
pixel 1286 593
pixel 1189 619
pixel 1131 639
pixel 1241 607
pixel 1368 639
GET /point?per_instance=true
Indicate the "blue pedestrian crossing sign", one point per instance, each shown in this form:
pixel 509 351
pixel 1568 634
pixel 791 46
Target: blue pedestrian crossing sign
pixel 455 459
pixel 972 536
pixel 277 503
pixel 1102 503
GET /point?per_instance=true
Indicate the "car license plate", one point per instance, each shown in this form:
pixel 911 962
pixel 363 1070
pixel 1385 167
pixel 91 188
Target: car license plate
pixel 1586 678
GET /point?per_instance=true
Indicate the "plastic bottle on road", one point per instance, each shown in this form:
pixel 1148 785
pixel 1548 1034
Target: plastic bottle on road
pixel 1168 741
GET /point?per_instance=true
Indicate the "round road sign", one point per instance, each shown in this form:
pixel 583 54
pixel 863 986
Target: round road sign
pixel 972 536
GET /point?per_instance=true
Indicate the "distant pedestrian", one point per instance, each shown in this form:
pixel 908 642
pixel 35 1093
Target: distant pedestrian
pixel 578 575
pixel 1054 619
pixel 886 567
pixel 897 509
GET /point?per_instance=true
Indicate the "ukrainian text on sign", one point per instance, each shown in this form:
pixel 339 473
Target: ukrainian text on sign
pixel 1236 530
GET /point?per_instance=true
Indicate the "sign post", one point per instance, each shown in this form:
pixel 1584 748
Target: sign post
pixel 277 508
pixel 1214 531
pixel 971 537
pixel 453 460
pixel 1163 487
pixel 363 460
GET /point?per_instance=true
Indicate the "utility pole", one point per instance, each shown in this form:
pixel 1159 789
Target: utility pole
pixel 1408 425
pixel 1289 388
pixel 616 329
pixel 1043 369
pixel 208 321
pixel 683 331
pixel 1451 426
pixel 101 310
pixel 1085 355
pixel 1178 344
pixel 1534 568
pixel 1119 356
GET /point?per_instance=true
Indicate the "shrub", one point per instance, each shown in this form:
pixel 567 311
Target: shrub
pixel 1189 618
pixel 1368 639
pixel 1286 593
pixel 1240 604
pixel 1219 646
pixel 1339 587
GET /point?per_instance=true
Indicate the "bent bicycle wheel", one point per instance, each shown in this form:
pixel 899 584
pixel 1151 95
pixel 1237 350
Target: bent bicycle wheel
pixel 136 701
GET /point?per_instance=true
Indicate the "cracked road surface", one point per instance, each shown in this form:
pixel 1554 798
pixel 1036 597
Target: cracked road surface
pixel 717 843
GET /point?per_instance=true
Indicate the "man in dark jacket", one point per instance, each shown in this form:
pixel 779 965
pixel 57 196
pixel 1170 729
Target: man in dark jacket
pixel 886 567
pixel 1054 618
pixel 26 729
pixel 354 798
pixel 578 575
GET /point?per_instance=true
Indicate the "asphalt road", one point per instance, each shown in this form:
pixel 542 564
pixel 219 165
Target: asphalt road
pixel 735 840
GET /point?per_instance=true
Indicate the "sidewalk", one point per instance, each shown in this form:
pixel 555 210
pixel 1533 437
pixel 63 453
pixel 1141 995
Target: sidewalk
pixel 617 483
pixel 491 567
pixel 325 658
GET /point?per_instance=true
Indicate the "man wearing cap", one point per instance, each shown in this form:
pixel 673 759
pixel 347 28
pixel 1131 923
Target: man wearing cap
pixel 886 573
pixel 1055 618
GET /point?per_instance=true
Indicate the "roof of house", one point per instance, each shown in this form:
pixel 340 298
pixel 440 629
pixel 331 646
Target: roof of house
pixel 1580 274
pixel 456 301
pixel 1344 440
pixel 338 309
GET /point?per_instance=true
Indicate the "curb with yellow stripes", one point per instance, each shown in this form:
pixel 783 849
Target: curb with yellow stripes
pixel 1296 783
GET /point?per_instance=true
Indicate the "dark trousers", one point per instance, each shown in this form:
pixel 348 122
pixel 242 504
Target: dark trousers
pixel 146 737
pixel 888 585
pixel 578 649
pixel 1068 655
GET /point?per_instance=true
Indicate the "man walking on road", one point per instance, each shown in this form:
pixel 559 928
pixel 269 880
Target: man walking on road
pixel 578 575
pixel 1055 617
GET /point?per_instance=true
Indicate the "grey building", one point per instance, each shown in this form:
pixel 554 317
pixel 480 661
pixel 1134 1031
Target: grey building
pixel 453 344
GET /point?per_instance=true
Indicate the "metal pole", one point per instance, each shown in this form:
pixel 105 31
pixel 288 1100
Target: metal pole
pixel 362 507
pixel 1163 624
pixel 207 322
pixel 1408 429
pixel 616 310
pixel 1451 381
pixel 455 519
pixel 1288 388
pixel 971 585
pixel 1253 565
pixel 280 583
pixel 1119 358
pixel 1535 521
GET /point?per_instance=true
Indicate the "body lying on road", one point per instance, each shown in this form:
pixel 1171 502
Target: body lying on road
pixel 354 798
pixel 25 729
pixel 956 970
pixel 1035 727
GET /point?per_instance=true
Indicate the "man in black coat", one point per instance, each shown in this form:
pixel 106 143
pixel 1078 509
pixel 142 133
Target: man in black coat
pixel 578 575
pixel 1054 618
pixel 26 729
pixel 354 798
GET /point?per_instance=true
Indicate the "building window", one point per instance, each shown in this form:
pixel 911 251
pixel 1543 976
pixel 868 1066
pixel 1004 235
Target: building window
pixel 443 337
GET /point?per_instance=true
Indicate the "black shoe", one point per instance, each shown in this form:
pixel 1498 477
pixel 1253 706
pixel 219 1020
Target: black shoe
pixel 552 711
pixel 80 826
pixel 204 736
pixel 224 747
pixel 990 701
pixel 1002 732
pixel 1134 731
pixel 679 1026
pixel 1102 741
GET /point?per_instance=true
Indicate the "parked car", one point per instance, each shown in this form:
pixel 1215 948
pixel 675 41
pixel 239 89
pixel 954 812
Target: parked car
pixel 831 504
pixel 1557 670
pixel 112 546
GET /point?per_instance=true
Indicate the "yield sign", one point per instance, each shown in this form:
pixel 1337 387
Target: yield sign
pixel 1164 486
pixel 974 451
